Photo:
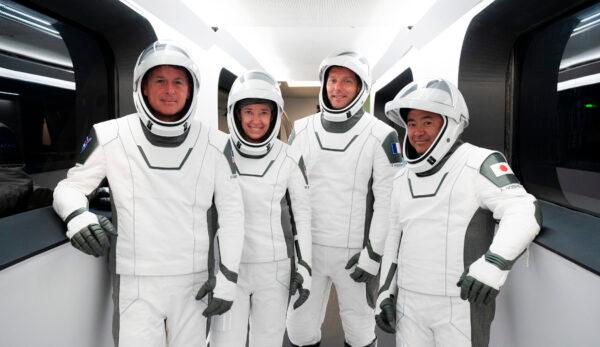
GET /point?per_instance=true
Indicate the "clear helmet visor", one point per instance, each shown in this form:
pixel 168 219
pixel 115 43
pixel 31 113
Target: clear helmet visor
pixel 254 87
pixel 163 53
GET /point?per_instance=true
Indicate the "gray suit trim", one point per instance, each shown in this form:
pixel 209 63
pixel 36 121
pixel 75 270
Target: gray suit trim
pixel 388 278
pixel 231 276
pixel 334 149
pixel 164 141
pixel 256 175
pixel 165 168
pixel 116 323
pixel 75 213
pixel 426 195
pixel 228 152
pixel 341 127
pixel 478 238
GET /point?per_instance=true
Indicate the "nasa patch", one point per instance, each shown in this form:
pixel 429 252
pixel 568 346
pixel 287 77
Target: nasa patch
pixel 86 142
pixel 87 147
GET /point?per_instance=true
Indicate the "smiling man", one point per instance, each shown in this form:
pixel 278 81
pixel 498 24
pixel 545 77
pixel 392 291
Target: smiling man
pixel 350 159
pixel 446 204
pixel 167 89
pixel 165 170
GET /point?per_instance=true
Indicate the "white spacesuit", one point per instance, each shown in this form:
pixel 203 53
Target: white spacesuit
pixel 277 239
pixel 445 204
pixel 164 177
pixel 350 159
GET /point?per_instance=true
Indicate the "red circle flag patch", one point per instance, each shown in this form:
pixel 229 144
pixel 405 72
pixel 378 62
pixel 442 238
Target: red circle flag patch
pixel 501 169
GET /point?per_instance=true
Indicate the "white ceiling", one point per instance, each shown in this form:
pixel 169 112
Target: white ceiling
pixel 289 38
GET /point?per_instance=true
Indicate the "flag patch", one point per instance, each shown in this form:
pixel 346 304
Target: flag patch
pixel 395 148
pixel 501 169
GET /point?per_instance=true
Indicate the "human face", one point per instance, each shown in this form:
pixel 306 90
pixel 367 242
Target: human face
pixel 255 119
pixel 422 129
pixel 167 89
pixel 342 86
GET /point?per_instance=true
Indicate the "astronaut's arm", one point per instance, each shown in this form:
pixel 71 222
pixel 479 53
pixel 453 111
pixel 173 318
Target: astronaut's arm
pixel 516 210
pixel 228 201
pixel 385 167
pixel 385 309
pixel 298 189
pixel 87 231
pixel 520 220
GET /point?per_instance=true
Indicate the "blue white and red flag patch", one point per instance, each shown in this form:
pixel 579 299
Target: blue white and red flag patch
pixel 396 148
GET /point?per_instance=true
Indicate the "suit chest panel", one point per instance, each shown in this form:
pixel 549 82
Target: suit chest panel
pixel 148 173
pixel 263 179
pixel 340 157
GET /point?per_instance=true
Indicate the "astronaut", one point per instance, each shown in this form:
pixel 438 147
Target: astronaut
pixel 277 246
pixel 165 169
pixel 446 203
pixel 351 159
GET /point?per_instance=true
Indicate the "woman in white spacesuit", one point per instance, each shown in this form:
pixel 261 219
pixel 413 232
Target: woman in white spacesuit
pixel 446 204
pixel 276 255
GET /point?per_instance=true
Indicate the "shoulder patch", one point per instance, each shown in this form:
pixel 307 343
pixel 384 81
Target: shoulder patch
pixel 391 147
pixel 496 169
pixel 90 143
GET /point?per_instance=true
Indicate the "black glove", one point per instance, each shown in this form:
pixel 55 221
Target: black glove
pixel 296 282
pixel 386 319
pixel 100 199
pixel 93 239
pixel 358 275
pixel 215 305
pixel 475 291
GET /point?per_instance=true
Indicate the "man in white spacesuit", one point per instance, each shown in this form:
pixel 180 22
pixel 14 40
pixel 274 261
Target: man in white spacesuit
pixel 165 170
pixel 350 159
pixel 446 203
pixel 277 244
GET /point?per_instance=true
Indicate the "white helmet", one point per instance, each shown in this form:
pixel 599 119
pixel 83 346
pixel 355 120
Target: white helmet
pixel 164 53
pixel 360 66
pixel 437 96
pixel 253 87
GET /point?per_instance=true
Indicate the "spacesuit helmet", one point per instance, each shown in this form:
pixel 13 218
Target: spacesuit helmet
pixel 437 96
pixel 357 64
pixel 254 87
pixel 157 54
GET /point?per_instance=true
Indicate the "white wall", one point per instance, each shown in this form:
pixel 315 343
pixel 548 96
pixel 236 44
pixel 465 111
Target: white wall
pixel 551 302
pixel 58 298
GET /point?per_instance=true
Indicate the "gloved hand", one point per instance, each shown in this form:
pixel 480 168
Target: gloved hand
pixel 361 273
pixel 296 282
pixel 92 232
pixel 100 199
pixel 215 305
pixel 386 317
pixel 481 282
